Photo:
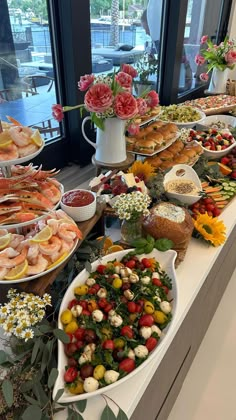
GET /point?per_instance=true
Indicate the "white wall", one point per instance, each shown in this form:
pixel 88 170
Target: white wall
pixel 232 34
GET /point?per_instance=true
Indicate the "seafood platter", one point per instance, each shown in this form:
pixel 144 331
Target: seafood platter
pixel 35 237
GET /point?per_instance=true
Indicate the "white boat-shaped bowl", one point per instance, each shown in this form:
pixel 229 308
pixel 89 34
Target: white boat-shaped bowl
pixel 166 260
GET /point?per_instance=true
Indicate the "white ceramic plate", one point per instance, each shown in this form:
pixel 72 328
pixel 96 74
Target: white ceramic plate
pixel 22 159
pixel 167 144
pixel 36 276
pixel 166 260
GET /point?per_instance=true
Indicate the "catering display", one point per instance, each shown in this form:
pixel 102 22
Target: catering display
pixel 116 314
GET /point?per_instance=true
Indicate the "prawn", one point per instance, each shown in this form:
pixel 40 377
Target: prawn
pixel 21 135
pixel 9 152
pixel 50 247
pixel 50 191
pixel 29 149
pixel 10 257
pixel 16 239
pixel 68 232
pixel 3 232
pixel 53 224
pixel 33 253
pixel 39 267
pixel 65 248
pixel 60 214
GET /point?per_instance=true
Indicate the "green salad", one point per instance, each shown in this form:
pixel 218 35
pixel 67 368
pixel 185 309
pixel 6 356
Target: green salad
pixel 179 113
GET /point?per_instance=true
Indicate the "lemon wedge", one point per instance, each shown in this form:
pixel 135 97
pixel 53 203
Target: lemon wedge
pixel 37 138
pixel 114 248
pixel 62 257
pixel 17 272
pixel 43 236
pixel 5 139
pixel 5 240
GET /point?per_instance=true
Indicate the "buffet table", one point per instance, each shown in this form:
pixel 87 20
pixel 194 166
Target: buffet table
pixel 203 277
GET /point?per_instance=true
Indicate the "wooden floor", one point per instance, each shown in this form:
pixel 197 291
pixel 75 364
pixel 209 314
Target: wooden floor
pixel 74 176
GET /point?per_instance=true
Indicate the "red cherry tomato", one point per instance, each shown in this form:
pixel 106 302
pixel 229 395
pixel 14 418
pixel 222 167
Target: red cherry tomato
pixel 85 312
pixel 70 375
pixel 108 307
pixel 79 344
pixel 157 282
pixel 108 345
pixel 90 336
pixel 72 303
pixel 151 343
pixel 216 212
pixel 166 290
pixel 92 290
pixel 101 268
pixel 130 264
pixel 127 331
pixel 210 207
pixel 146 320
pixel 131 307
pixel 102 303
pixel 70 337
pixel 70 349
pixel 83 303
pixel 146 262
pixel 79 333
pixel 127 365
pixel 86 371
pixel 72 362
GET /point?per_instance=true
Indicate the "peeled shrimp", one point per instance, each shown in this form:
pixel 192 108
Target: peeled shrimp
pixel 27 150
pixel 20 135
pixel 10 257
pixel 68 232
pixel 16 240
pixel 3 232
pixel 53 224
pixel 33 253
pixel 37 268
pixel 50 247
pixel 65 247
pixel 9 152
pixel 60 214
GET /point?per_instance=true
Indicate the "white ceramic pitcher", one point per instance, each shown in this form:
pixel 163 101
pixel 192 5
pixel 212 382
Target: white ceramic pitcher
pixel 218 81
pixel 110 143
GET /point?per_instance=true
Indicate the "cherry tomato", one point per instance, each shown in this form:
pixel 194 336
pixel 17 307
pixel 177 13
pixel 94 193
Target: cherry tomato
pixel 108 345
pixel 127 365
pixel 146 262
pixel 131 307
pixel 210 207
pixel 70 349
pixel 79 333
pixel 166 290
pixel 86 371
pixel 83 303
pixel 130 264
pixel 92 290
pixel 72 303
pixel 101 268
pixel 151 343
pixel 70 375
pixel 157 282
pixel 146 320
pixel 85 312
pixel 70 337
pixel 102 303
pixel 108 307
pixel 79 344
pixel 90 336
pixel 208 200
pixel 127 331
pixel 216 212
pixel 72 362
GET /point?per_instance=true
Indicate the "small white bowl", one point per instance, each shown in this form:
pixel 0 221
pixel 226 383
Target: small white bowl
pixel 79 213
pixel 226 120
pixel 184 172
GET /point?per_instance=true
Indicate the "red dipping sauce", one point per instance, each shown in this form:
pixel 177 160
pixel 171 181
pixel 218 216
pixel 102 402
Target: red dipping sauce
pixel 78 198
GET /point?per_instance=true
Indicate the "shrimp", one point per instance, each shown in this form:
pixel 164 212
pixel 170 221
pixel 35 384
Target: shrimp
pixel 37 268
pixel 33 253
pixel 65 248
pixel 3 232
pixel 29 149
pixel 69 232
pixel 21 135
pixel 9 152
pixel 50 247
pixel 50 191
pixel 53 224
pixel 16 240
pixel 10 257
pixel 60 214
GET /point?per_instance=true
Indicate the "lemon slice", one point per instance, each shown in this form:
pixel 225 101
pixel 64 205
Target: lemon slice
pixel 36 138
pixel 43 236
pixel 107 243
pixel 5 139
pixel 114 248
pixel 4 240
pixel 17 272
pixel 62 257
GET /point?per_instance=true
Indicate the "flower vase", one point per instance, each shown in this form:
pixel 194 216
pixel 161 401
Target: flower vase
pixel 131 230
pixel 110 143
pixel 218 81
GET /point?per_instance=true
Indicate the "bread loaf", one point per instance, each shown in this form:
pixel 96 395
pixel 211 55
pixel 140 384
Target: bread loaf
pixel 167 220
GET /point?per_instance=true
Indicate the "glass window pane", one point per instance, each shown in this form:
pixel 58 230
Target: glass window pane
pixel 27 85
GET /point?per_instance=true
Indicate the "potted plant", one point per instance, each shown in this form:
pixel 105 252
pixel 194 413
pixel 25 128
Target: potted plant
pixel 147 66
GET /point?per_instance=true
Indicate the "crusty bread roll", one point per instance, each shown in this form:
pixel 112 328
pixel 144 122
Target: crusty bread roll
pixel 154 161
pixel 156 137
pixel 181 159
pixel 176 147
pixel 166 164
pixel 144 146
pixel 166 155
pixel 171 127
pixel 130 142
pixel 167 134
pixel 189 151
pixel 157 124
pixel 197 148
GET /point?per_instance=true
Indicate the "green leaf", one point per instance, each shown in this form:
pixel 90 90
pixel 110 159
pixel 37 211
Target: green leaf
pixel 97 121
pixel 45 328
pixel 59 394
pixel 108 414
pixel 61 335
pixel 81 405
pixel 44 359
pixel 4 357
pixel 52 377
pixel 31 400
pixel 26 386
pixel 163 244
pixel 88 266
pixel 41 394
pixel 35 350
pixel 121 415
pixel 7 390
pixel 32 412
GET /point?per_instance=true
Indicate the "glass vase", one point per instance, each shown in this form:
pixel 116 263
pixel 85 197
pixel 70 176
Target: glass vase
pixel 131 230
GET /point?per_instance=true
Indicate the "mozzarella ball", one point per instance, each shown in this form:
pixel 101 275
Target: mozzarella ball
pixel 155 275
pixel 90 281
pixel 129 294
pixel 157 330
pixel 102 293
pixel 145 332
pixel 97 315
pixel 145 280
pixel 85 357
pixel 90 384
pixel 133 278
pixel 89 348
pixel 111 376
pixel 76 310
pixel 116 320
pixel 165 307
pixel 141 351
pixel 131 354
pixel 126 271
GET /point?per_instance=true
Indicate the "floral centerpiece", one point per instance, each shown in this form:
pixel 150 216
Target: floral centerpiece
pixel 109 97
pixel 220 56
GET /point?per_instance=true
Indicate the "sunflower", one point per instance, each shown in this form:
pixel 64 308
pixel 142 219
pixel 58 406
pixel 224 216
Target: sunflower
pixel 210 228
pixel 143 170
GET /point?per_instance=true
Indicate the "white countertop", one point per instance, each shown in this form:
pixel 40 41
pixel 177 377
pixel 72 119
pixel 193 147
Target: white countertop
pixel 191 275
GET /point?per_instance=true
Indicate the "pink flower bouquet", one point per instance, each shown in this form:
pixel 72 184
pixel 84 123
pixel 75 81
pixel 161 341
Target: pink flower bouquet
pixel 108 97
pixel 220 56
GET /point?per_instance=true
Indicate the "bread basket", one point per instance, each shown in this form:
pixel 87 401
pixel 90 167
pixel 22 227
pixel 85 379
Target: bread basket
pixel 183 172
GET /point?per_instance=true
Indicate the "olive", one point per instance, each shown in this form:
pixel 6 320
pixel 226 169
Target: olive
pixel 86 371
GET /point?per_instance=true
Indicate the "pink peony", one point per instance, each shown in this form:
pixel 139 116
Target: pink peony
pixel 133 129
pixel 124 79
pixel 125 106
pixel 204 39
pixel 98 98
pixel 127 68
pixel 152 99
pixel 142 106
pixel 85 81
pixel 204 77
pixel 57 112
pixel 230 57
pixel 199 59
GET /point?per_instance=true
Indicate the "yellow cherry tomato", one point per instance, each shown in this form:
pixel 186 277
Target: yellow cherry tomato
pixel 119 343
pixel 66 317
pixel 92 305
pixel 149 307
pixel 81 290
pixel 99 372
pixel 159 317
pixel 117 283
pixel 132 317
pixel 71 327
pixel 76 388
pixel 106 333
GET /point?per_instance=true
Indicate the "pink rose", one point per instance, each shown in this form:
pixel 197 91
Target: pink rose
pixel 85 82
pixel 133 129
pixel 125 106
pixel 204 77
pixel 152 99
pixel 124 79
pixel 142 106
pixel 204 39
pixel 57 112
pixel 199 59
pixel 127 68
pixel 98 98
pixel 230 57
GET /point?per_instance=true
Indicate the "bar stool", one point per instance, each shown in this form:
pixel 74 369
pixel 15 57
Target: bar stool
pixel 120 166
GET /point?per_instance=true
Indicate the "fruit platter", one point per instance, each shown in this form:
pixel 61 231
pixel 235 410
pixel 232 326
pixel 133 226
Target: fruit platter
pixel 215 143
pixel 115 316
